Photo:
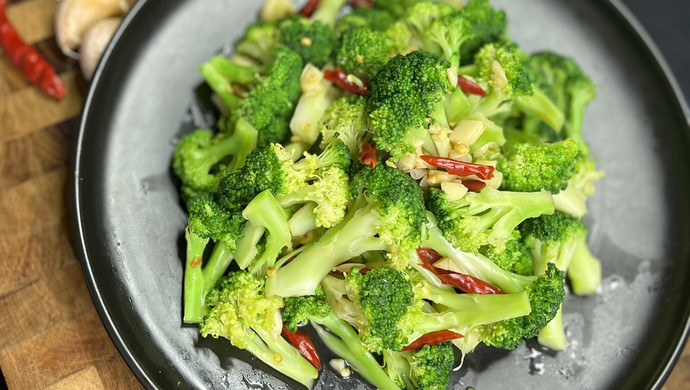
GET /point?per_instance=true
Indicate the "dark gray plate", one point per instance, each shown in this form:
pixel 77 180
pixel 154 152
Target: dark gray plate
pixel 129 222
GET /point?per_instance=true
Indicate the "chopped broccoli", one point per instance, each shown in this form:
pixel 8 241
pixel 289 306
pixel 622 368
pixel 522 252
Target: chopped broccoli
pixel 375 19
pixel 208 220
pixel 405 92
pixel 527 167
pixel 387 214
pixel 486 218
pixel 363 52
pixel 485 25
pixel 344 341
pixel 259 40
pixel 500 69
pixel 317 97
pixel 200 157
pixel 427 368
pixel 312 40
pixel 573 199
pixel 556 240
pixel 571 89
pixel 242 313
pixel 345 120
pixel 397 8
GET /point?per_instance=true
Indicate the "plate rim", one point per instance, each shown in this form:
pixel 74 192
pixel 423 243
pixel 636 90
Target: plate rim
pixel 617 7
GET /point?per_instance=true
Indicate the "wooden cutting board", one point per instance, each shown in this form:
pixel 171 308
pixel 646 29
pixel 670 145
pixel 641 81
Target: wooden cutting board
pixel 50 334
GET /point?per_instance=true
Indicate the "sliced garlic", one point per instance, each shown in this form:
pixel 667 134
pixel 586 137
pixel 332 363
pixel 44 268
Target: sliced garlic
pixel 454 190
pixel 275 10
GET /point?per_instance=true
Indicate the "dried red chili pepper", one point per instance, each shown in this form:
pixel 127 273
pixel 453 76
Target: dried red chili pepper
pixel 470 87
pixel 362 3
pixel 309 8
pixel 27 59
pixel 474 185
pixel 304 345
pixel 460 168
pixel 368 154
pixel 439 336
pixel 340 78
pixel 465 283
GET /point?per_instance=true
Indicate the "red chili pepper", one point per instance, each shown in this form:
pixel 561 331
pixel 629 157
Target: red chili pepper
pixel 309 8
pixel 362 3
pixel 474 185
pixel 469 86
pixel 339 77
pixel 439 336
pixel 304 345
pixel 368 154
pixel 27 59
pixel 460 168
pixel 465 283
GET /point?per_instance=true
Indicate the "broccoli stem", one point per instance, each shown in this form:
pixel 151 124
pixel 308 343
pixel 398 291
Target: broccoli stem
pixel 303 220
pixel 475 265
pixel 584 270
pixel 348 239
pixel 553 335
pixel 470 310
pixel 234 73
pixel 264 211
pixel 540 106
pixel 327 11
pixel 571 201
pixel 243 141
pixel 311 106
pixel 220 86
pixel 246 246
pixel 573 127
pixel 200 280
pixel 267 348
pixel 349 347
pixel 194 306
pixel 458 105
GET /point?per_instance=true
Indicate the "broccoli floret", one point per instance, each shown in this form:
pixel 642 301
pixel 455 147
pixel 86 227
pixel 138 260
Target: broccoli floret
pixel 546 295
pixel 500 70
pixel 487 218
pixel 208 220
pixel 200 156
pixel 259 40
pixel 427 368
pixel 270 181
pixel 269 106
pixel 528 168
pixel 363 52
pixel 265 218
pixel 561 239
pixel 342 338
pixel 345 120
pixel 515 256
pixel 389 320
pixel 405 92
pixel 397 8
pixel 220 74
pixel 311 39
pixel 375 19
pixel 388 213
pixel 382 297
pixel 556 240
pixel 570 88
pixel 484 25
pixel 242 313
pixel 573 199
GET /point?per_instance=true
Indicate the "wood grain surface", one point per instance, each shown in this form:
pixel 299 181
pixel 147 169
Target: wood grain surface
pixel 50 334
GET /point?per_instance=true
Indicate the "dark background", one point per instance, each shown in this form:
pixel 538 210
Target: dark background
pixel 668 23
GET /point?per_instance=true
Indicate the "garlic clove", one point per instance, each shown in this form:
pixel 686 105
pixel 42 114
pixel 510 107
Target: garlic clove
pixel 74 17
pixel 94 43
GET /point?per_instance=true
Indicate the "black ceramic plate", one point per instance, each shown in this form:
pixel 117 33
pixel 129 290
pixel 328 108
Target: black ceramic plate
pixel 129 221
